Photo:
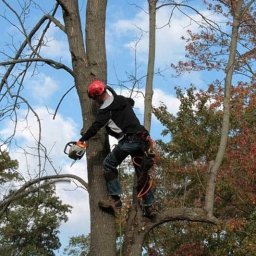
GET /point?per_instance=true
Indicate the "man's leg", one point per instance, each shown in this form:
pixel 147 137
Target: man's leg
pixel 110 164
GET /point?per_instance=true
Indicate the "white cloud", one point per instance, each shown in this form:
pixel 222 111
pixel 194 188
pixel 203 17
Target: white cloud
pixel 169 45
pixel 56 45
pixel 70 193
pixel 193 77
pixel 171 101
pixel 159 97
pixel 42 87
pixel 55 134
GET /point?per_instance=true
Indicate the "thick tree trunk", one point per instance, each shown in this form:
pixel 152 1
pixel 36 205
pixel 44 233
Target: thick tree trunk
pixel 103 233
pixel 88 66
pixel 137 226
pixel 134 233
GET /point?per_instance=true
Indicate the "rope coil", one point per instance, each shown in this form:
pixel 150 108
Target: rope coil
pixel 150 156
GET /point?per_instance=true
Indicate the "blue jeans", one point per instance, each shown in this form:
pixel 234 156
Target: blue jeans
pixel 133 146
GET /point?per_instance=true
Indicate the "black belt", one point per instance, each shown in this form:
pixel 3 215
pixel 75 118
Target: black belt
pixel 135 136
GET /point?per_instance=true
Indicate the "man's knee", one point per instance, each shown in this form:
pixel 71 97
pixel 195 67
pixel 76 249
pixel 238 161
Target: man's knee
pixel 110 175
pixel 111 162
pixel 110 171
pixel 108 164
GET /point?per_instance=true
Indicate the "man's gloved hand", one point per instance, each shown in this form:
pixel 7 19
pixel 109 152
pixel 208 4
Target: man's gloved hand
pixel 82 132
pixel 81 144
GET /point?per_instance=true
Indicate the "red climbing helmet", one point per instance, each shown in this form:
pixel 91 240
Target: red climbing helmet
pixel 96 88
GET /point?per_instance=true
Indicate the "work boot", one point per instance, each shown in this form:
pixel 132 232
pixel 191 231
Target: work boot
pixel 113 205
pixel 149 211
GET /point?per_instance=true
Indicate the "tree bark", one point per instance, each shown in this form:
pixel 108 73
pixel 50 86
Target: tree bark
pixel 137 226
pixel 87 66
pixel 213 170
pixel 103 233
pixel 151 64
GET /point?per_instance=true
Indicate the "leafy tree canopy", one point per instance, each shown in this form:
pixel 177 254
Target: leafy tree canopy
pixel 194 138
pixel 30 224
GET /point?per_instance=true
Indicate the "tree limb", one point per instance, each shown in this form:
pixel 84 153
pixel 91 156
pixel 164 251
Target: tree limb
pixel 50 62
pixel 179 214
pixel 55 113
pixel 22 47
pixel 56 22
pixel 209 197
pixel 63 5
pixel 26 188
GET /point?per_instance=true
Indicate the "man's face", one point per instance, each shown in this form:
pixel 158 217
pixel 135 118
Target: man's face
pixel 99 99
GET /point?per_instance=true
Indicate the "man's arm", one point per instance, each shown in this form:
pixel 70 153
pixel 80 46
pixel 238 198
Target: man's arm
pixel 101 120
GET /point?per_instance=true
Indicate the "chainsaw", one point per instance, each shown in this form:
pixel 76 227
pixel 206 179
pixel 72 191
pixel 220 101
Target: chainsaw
pixel 75 149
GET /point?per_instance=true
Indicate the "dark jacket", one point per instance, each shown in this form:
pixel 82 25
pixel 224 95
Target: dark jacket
pixel 117 115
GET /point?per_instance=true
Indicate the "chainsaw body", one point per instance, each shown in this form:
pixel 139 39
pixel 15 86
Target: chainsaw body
pixel 75 150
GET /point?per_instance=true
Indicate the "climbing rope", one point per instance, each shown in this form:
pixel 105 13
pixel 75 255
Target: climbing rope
pixel 150 156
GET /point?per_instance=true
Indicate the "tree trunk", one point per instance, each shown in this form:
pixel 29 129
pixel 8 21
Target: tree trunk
pixel 151 64
pixel 88 66
pixel 103 233
pixel 210 190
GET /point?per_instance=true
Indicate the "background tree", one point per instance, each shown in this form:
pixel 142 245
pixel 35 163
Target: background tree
pixel 234 203
pixel 79 245
pixel 8 168
pixel 195 135
pixel 30 224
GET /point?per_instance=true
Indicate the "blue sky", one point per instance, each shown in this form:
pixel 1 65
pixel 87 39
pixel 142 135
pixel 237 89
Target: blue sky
pixel 126 23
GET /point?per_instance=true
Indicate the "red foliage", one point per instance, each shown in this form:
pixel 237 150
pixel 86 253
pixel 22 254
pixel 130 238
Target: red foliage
pixel 190 249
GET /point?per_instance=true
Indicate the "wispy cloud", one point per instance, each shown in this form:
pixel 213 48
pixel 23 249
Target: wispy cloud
pixel 160 97
pixel 55 134
pixel 41 87
pixel 56 45
pixel 169 46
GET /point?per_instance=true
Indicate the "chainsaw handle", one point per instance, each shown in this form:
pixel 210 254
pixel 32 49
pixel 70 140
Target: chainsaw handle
pixel 68 145
pixel 79 143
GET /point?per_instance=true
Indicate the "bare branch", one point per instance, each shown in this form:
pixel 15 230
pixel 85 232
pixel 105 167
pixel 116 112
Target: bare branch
pixel 56 22
pixel 178 214
pixel 208 21
pixel 25 43
pixel 27 189
pixel 50 62
pixel 63 5
pixel 55 113
pixel 39 125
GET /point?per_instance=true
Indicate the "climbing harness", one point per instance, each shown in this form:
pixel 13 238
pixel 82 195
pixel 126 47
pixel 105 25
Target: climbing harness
pixel 75 150
pixel 146 162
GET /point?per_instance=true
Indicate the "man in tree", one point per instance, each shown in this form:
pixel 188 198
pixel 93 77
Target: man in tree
pixel 116 114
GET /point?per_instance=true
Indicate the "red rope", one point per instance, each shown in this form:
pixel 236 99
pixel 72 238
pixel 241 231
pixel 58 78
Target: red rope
pixel 150 180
